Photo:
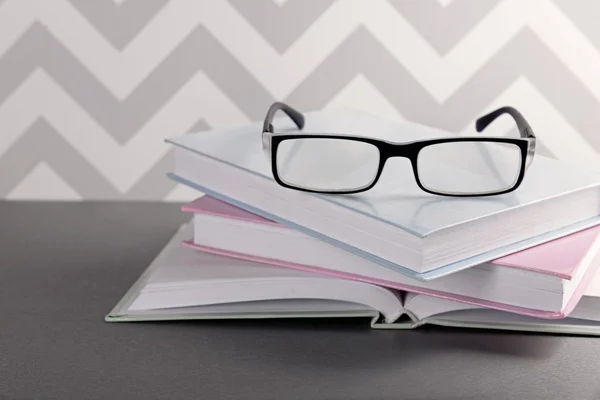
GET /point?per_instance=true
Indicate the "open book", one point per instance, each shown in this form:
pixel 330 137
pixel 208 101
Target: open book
pixel 183 283
pixel 395 224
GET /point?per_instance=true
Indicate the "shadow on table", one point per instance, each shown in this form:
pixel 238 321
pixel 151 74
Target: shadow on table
pixel 351 343
pixel 511 343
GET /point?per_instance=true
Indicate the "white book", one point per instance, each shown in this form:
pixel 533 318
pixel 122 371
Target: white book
pixel 395 224
pixel 185 284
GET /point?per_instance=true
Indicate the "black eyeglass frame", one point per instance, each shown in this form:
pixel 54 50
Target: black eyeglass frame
pixel 526 144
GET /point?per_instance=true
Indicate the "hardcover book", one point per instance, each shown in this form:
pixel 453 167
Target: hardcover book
pixel 395 224
pixel 185 284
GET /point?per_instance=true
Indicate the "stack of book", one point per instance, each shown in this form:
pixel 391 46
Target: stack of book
pixel 345 214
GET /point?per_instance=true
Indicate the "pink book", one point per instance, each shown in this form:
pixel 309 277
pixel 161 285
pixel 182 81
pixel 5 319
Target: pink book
pixel 545 281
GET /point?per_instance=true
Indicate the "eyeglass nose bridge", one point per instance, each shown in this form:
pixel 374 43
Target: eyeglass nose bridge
pixel 399 150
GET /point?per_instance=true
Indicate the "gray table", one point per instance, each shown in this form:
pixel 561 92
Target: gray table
pixel 64 266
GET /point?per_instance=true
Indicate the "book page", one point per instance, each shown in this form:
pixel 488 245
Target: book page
pixel 184 277
pixel 593 289
pixel 440 310
pixel 588 307
pixel 487 318
pixel 423 306
pixel 275 307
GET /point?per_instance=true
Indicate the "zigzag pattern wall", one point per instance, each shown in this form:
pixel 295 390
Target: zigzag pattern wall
pixel 89 88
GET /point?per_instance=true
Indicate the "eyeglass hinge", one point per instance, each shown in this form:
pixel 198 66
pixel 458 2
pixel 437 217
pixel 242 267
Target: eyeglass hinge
pixel 527 133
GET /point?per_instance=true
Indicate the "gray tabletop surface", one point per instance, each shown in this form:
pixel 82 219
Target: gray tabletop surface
pixel 65 265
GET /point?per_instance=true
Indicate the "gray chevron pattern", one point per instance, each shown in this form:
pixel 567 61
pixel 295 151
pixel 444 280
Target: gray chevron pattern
pixel 42 142
pixel 585 15
pixel 81 99
pixel 452 21
pixel 281 25
pixel 119 23
pixel 122 119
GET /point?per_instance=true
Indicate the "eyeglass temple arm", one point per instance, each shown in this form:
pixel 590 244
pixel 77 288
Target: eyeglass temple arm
pixel 294 115
pixel 525 130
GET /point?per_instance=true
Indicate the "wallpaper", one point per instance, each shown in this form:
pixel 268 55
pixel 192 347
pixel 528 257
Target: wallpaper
pixel 90 88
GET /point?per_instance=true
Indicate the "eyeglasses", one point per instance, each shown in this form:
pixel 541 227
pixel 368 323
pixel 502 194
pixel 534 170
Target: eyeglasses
pixel 345 164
